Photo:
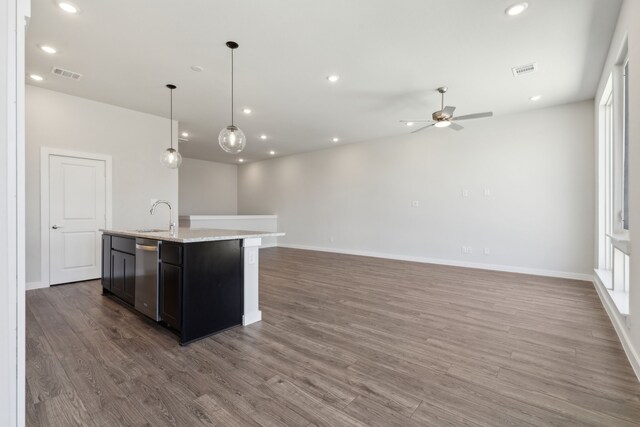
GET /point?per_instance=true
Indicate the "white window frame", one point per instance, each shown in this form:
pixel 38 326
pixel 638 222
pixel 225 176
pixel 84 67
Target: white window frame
pixel 613 238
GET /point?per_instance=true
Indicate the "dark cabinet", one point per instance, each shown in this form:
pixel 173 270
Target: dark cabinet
pixel 212 288
pixel 119 267
pixel 123 275
pixel 106 262
pixel 201 287
pixel 200 283
pixel 170 289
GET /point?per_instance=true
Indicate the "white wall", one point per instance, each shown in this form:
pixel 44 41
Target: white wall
pixel 208 188
pixel 538 166
pixel 134 140
pixel 628 27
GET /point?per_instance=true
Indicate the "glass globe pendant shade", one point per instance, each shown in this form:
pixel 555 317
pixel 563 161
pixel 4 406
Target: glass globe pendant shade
pixel 232 140
pixel 171 158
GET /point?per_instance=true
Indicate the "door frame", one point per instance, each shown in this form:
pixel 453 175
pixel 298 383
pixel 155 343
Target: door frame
pixel 45 152
pixel 14 15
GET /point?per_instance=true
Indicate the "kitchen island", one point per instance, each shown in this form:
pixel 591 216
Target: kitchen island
pixel 194 281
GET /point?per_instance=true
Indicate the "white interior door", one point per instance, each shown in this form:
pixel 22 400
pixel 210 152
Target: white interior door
pixel 77 209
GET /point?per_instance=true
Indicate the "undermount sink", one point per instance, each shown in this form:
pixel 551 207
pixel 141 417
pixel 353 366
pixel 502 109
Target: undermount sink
pixel 149 230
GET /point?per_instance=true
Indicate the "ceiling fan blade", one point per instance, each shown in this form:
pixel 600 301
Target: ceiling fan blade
pixel 455 126
pixel 414 121
pixel 448 110
pixel 423 128
pixel 474 116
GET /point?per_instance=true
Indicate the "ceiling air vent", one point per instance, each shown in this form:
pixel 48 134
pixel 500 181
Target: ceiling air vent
pixel 71 75
pixel 525 69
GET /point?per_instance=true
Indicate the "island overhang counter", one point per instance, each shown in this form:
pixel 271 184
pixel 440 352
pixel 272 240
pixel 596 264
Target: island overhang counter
pixel 207 279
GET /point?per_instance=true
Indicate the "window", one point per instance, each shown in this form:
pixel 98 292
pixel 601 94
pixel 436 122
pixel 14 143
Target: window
pixel 625 148
pixel 613 186
pixel 607 141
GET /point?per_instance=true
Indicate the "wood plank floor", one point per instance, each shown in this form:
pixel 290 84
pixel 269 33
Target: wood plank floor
pixel 344 340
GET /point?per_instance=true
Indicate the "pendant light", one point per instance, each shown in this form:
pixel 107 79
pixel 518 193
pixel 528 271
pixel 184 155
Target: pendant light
pixel 231 138
pixel 171 158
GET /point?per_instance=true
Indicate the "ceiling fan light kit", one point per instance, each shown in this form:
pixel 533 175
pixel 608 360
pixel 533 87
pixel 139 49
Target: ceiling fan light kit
pixel 231 138
pixel 444 118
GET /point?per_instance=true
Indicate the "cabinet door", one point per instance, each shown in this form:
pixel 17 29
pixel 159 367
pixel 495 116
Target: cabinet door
pixel 117 273
pixel 106 261
pixel 123 275
pixel 170 289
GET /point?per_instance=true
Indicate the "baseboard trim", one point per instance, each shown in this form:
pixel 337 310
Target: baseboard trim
pixel 250 318
pixel 453 263
pixel 35 285
pixel 619 324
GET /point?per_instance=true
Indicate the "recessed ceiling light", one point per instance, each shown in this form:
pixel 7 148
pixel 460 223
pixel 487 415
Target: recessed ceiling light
pixel 197 68
pixel 185 134
pixel 241 160
pixel 333 78
pixel 335 139
pixel 68 7
pixel 410 123
pixel 246 110
pixel 48 49
pixel 263 136
pixel 535 98
pixel 272 152
pixel 36 77
pixel 516 9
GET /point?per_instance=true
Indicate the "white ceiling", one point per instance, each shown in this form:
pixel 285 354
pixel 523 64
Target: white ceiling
pixel 390 55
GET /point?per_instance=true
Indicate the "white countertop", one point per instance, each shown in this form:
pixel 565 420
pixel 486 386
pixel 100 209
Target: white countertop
pixel 248 217
pixel 191 235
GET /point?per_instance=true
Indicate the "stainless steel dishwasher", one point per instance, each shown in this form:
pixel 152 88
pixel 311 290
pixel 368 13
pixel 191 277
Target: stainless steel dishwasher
pixel 147 284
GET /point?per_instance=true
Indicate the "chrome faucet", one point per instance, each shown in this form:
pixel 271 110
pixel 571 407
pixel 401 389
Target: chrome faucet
pixel 172 225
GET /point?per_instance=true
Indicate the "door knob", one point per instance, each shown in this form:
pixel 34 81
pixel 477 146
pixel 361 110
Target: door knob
pixel 55 227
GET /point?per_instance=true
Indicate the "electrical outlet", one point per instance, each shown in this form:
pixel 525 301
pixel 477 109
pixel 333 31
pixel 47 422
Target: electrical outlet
pixel 467 250
pixel 331 239
pixel 487 251
pixel 487 192
pixel 415 204
pixel 465 193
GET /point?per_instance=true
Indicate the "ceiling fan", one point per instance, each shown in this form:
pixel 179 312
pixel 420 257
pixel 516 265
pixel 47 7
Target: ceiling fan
pixel 444 117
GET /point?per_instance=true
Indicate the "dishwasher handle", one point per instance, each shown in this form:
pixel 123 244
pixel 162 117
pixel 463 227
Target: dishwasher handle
pixel 148 248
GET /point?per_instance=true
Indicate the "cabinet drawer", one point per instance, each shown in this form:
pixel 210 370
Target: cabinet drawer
pixel 171 253
pixel 124 244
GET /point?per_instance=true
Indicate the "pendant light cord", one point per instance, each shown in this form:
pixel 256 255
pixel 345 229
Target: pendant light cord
pixel 171 117
pixel 231 87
